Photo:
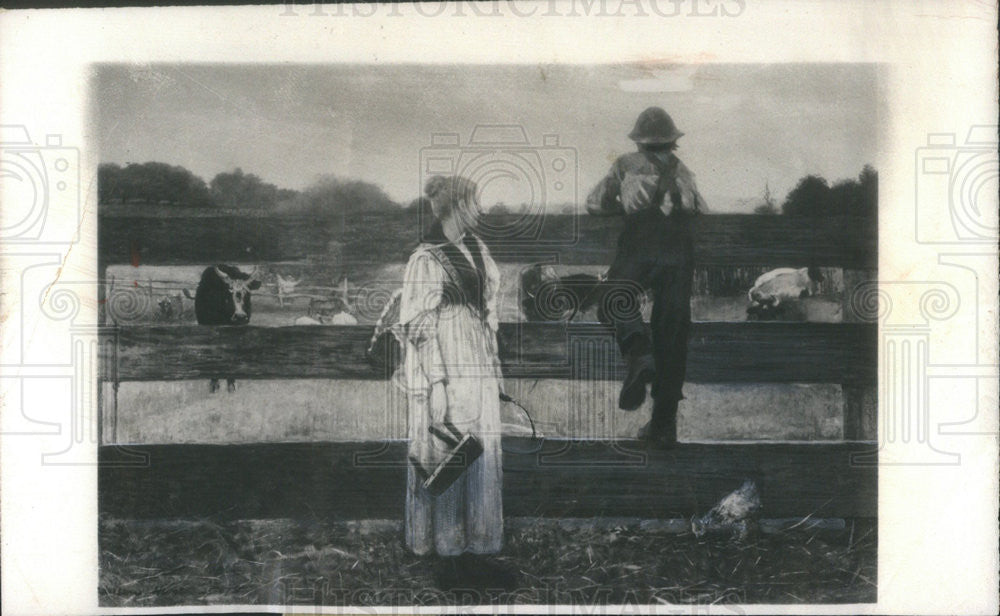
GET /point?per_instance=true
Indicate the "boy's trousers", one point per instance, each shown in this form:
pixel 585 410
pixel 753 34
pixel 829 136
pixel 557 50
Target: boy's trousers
pixel 655 253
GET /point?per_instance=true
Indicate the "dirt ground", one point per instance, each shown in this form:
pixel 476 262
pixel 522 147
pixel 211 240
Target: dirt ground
pixel 594 562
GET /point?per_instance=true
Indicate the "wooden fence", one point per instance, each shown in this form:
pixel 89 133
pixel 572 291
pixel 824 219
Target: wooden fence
pixel 560 478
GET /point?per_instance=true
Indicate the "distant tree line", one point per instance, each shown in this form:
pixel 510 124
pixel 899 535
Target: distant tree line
pixel 163 185
pixel 331 195
pixel 151 183
pixel 814 196
pixel 156 183
pixel 238 190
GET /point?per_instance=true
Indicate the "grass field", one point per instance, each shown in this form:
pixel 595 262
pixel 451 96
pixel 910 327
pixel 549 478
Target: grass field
pixel 589 562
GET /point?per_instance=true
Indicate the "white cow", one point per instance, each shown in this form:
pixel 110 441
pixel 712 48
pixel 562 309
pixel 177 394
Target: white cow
pixel 782 284
pixel 330 311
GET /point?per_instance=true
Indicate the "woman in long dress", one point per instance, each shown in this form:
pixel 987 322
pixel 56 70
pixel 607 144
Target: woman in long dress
pixel 448 321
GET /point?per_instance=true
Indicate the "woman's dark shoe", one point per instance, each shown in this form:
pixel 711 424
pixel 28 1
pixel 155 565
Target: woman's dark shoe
pixel 641 370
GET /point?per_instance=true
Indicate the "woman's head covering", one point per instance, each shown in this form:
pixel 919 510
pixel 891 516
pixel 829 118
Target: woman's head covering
pixel 454 196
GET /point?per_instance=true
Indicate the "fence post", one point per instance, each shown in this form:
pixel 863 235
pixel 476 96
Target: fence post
pixel 860 400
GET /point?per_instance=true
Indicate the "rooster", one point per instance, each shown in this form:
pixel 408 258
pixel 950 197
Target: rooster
pixel 738 511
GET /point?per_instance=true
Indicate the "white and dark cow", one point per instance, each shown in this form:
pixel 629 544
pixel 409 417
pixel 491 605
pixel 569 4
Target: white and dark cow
pixel 223 298
pixel 781 285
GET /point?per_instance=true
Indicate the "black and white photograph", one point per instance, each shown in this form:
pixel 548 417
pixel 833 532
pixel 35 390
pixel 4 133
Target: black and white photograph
pixel 596 332
pixel 488 335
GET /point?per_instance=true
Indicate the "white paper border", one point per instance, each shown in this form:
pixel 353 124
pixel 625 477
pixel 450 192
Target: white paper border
pixel 938 524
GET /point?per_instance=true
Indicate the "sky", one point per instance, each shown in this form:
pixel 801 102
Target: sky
pixel 546 133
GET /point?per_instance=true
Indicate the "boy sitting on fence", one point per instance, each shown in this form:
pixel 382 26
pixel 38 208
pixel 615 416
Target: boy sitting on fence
pixel 658 197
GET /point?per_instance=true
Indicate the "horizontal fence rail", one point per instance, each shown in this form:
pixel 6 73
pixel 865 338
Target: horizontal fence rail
pixel 553 479
pixel 717 352
pixel 720 240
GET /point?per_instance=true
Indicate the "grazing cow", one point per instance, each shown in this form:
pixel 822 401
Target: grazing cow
pixel 173 307
pixel 166 309
pixel 546 296
pixel 779 285
pixel 223 298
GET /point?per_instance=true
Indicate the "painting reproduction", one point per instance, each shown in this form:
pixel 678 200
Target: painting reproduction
pixel 484 335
